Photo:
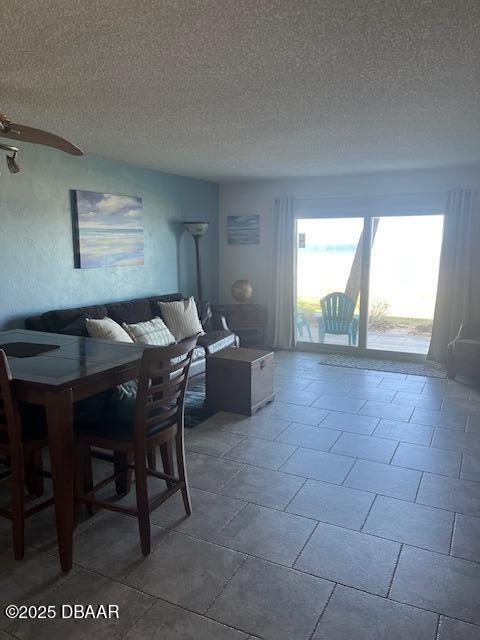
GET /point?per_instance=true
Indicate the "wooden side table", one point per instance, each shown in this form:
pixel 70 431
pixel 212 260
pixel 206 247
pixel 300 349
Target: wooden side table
pixel 248 321
pixel 240 380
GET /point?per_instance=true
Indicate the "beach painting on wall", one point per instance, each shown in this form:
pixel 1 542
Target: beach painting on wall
pixel 243 229
pixel 108 230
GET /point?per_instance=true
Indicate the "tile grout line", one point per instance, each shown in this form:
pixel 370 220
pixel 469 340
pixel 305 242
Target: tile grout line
pixel 340 434
pixel 296 448
pixel 226 481
pixel 452 535
pixel 418 488
pixel 393 454
pixel 284 510
pixel 222 529
pixel 394 571
pixel 303 547
pixel 139 619
pixel 462 461
pixel 322 612
pixel 368 513
pixel 225 584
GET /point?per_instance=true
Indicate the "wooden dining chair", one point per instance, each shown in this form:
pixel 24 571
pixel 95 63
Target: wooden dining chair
pixel 134 428
pixel 21 443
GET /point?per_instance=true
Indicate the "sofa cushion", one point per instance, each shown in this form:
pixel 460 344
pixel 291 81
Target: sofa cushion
pixel 60 318
pixel 77 327
pixel 131 311
pixel 468 349
pixel 35 323
pixel 214 341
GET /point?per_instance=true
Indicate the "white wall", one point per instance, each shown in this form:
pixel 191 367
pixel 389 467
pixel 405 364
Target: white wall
pixel 254 262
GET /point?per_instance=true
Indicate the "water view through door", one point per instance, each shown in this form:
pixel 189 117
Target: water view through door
pixel 404 254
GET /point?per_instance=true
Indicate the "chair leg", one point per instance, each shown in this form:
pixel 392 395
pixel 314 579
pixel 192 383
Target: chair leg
pixel 88 475
pixel 152 459
pixel 34 473
pixel 123 484
pixel 83 477
pixel 80 482
pixel 182 472
pixel 141 488
pixel 167 461
pixel 18 505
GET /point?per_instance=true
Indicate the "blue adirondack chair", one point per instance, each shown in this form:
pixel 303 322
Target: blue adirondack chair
pixel 337 315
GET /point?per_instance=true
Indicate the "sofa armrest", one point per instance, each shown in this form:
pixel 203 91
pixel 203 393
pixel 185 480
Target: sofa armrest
pixel 469 331
pixel 219 322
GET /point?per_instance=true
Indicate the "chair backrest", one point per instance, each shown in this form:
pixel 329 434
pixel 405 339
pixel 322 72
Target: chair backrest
pixel 10 423
pixel 161 386
pixel 337 312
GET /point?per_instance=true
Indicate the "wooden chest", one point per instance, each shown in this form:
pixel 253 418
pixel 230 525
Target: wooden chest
pixel 240 380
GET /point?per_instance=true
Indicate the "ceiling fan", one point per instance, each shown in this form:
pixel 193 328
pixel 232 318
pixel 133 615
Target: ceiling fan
pixel 22 133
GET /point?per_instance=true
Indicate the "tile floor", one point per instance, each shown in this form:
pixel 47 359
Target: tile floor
pixel 348 508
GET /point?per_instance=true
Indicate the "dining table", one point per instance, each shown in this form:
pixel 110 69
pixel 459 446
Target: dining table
pixel 55 371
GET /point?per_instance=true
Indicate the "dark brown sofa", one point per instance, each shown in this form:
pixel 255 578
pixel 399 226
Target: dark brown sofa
pixel 463 356
pixel 68 321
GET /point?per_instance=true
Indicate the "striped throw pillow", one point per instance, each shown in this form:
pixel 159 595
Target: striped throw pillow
pixel 150 332
pixel 106 329
pixel 181 318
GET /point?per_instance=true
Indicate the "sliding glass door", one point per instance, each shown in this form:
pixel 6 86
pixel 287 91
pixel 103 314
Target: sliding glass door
pixel 329 263
pixel 404 262
pixel 368 284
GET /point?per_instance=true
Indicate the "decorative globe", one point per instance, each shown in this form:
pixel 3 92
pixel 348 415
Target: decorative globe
pixel 242 290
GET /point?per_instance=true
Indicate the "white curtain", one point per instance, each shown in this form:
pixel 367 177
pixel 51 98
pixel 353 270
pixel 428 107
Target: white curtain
pixel 281 314
pixel 457 282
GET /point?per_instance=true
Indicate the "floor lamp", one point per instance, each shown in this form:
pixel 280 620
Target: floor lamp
pixel 197 230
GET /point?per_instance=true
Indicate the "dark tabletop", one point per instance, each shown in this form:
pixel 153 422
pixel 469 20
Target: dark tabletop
pixel 73 359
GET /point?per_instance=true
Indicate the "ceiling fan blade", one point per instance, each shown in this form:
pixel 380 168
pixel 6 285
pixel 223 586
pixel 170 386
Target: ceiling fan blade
pixel 21 133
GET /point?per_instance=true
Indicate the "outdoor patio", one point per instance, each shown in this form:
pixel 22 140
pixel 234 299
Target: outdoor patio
pixel 393 340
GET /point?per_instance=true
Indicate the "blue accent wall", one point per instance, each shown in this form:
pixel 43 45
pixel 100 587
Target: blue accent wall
pixel 36 247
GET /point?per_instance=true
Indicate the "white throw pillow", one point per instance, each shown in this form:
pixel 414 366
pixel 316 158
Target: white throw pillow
pixel 107 329
pixel 181 318
pixel 150 332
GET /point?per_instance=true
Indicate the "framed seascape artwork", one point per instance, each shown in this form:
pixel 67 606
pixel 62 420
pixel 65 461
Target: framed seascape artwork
pixel 243 229
pixel 107 230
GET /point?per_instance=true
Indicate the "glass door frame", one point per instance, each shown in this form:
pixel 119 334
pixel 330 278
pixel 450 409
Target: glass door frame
pixel 361 348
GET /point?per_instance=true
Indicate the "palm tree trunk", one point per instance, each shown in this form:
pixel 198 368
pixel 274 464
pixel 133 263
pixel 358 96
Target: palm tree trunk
pixel 352 290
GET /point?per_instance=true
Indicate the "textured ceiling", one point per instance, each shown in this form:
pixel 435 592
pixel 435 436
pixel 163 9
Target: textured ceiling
pixel 227 89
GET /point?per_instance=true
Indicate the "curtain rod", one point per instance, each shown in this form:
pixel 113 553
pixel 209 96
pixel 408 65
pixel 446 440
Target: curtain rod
pixel 375 195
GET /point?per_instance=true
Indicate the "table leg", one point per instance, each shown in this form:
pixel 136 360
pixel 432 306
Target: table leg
pixel 59 407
